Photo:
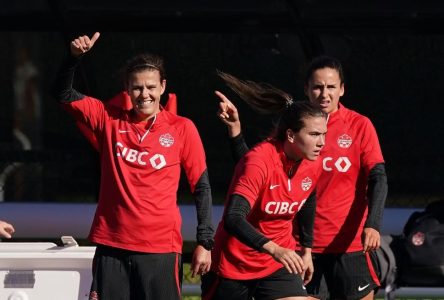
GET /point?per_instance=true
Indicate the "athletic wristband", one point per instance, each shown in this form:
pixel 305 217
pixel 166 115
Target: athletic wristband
pixel 208 244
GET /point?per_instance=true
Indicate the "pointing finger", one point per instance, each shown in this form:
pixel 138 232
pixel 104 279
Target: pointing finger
pixel 94 38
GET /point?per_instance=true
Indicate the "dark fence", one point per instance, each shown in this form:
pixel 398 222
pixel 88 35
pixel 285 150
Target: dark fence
pixel 73 176
pixel 394 78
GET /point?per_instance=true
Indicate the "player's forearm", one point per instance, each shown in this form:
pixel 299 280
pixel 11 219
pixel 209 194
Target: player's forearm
pixel 62 89
pixel 238 147
pixel 376 194
pixel 236 224
pixel 234 129
pixel 305 219
pixel 203 201
pixel 306 251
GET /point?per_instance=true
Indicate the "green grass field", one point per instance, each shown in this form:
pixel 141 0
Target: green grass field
pixel 187 279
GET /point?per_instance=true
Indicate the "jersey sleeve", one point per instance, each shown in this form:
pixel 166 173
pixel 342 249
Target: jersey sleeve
pixel 88 110
pixel 371 153
pixel 305 221
pixel 235 223
pixel 193 158
pixel 250 177
pixel 238 147
pixel 194 164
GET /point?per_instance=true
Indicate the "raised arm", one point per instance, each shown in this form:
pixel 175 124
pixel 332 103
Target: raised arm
pixel 62 89
pixel 83 44
pixel 228 114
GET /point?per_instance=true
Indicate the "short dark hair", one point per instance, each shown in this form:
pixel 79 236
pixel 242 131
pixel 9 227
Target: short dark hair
pixel 293 118
pixel 144 61
pixel 321 62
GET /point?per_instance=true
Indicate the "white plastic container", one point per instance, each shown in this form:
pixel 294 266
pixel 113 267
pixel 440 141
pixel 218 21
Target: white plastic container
pixel 44 271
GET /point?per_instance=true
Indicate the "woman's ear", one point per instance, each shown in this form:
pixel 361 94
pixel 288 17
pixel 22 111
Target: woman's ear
pixel 290 135
pixel 341 93
pixel 163 84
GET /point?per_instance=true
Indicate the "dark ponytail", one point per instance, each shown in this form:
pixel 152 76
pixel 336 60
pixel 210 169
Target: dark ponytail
pixel 266 99
pixel 262 97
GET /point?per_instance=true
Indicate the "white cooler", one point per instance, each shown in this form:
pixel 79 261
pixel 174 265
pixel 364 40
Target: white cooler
pixel 45 271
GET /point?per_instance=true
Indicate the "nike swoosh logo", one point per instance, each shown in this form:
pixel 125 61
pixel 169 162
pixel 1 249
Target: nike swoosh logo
pixel 123 131
pixel 360 289
pixel 273 186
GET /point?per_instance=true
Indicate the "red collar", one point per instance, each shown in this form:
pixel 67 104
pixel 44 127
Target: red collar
pixel 289 165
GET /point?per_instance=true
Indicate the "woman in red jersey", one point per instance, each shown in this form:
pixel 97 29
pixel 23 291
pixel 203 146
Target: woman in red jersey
pixel 254 254
pixel 137 224
pixel 351 190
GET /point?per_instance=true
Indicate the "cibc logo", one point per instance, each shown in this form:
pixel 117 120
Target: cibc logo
pixel 283 207
pixel 342 164
pixel 157 161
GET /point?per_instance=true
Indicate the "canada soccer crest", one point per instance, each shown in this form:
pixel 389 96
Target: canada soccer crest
pixel 344 141
pixel 166 140
pixel 306 183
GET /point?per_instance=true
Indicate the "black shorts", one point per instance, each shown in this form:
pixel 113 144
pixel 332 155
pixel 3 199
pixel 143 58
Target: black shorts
pixel 280 284
pixel 347 276
pixel 127 275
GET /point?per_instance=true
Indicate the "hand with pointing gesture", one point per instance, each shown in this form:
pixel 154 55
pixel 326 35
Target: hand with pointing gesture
pixel 83 44
pixel 228 114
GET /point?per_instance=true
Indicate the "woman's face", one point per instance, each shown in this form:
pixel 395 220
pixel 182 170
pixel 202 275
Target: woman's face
pixel 307 142
pixel 145 89
pixel 324 89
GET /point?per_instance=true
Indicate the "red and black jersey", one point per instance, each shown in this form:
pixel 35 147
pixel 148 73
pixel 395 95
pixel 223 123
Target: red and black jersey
pixel 262 178
pixel 140 169
pixel 351 150
pixel 123 101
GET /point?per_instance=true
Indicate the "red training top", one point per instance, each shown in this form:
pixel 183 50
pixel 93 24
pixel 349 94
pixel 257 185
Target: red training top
pixel 261 177
pixel 351 150
pixel 140 169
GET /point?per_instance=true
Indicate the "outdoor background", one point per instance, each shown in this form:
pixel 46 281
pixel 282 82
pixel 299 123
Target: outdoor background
pixel 392 55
